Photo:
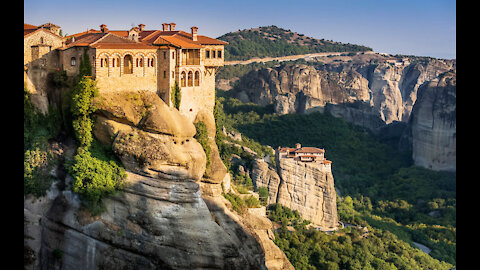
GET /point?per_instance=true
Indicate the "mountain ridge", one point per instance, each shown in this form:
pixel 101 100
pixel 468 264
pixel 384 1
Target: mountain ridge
pixel 274 41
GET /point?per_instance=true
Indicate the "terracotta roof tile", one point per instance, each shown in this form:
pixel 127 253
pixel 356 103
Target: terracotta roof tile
pixel 309 150
pixel 29 26
pixel 157 37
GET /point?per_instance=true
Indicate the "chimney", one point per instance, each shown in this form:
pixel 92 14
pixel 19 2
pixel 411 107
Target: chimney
pixel 165 26
pixel 142 27
pixel 172 26
pixel 103 28
pixel 297 146
pixel 194 33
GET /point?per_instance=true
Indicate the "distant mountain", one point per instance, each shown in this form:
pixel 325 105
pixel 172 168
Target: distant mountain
pixel 272 41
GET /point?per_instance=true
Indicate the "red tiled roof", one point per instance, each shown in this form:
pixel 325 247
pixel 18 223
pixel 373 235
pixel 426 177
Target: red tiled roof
pixel 106 41
pixel 28 28
pixel 157 37
pixel 309 150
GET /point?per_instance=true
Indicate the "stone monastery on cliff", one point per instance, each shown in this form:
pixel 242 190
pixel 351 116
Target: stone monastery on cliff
pixel 135 59
pixel 304 154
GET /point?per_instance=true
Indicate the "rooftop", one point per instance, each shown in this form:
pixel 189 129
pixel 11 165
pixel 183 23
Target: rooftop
pixel 146 39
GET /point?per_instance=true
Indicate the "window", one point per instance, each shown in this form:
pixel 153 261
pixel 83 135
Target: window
pixel 197 78
pixel 73 61
pixel 164 55
pixel 183 79
pixel 164 74
pixel 190 78
pixel 213 53
pixel 173 55
pixel 173 74
pixel 103 62
pixel 41 40
pixel 219 53
pixel 113 62
pixel 128 64
pixel 207 53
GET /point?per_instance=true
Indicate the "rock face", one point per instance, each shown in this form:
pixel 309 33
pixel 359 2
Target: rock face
pixel 305 187
pixel 371 94
pixel 433 124
pixel 163 219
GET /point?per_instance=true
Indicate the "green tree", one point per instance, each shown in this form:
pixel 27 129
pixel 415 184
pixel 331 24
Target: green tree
pixel 85 68
pixel 81 108
pixel 176 95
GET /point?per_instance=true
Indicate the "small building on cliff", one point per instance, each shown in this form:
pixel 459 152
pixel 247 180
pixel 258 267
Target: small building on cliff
pixel 304 154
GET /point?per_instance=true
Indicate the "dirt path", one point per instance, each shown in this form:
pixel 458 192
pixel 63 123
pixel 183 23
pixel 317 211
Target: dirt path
pixel 287 58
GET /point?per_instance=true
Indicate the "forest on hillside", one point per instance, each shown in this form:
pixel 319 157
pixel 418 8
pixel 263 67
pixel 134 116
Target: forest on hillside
pixel 381 189
pixel 272 41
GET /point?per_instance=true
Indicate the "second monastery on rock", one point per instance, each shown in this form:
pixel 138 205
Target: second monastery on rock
pixel 135 59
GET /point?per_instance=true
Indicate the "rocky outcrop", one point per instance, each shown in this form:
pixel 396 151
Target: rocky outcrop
pixel 305 187
pixel 298 88
pixel 372 94
pixel 264 176
pixel 433 124
pixel 167 217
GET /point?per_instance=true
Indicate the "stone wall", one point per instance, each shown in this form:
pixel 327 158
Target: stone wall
pixel 50 43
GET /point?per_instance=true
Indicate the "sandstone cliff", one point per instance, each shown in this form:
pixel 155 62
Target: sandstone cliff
pixel 305 187
pixel 373 94
pixel 433 124
pixel 163 219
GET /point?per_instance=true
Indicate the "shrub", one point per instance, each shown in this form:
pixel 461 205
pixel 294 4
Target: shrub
pixel 238 204
pixel 202 138
pixel 252 202
pixel 36 166
pixel 95 178
pixel 263 193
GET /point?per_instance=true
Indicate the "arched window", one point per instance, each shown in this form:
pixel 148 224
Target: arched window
pixel 73 61
pixel 118 62
pixel 197 78
pixel 103 62
pixel 183 79
pixel 113 62
pixel 128 64
pixel 190 78
pixel 140 62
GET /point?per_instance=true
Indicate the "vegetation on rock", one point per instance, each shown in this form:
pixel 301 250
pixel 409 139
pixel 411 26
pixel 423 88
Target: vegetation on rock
pixel 202 138
pixel 94 175
pixel 38 128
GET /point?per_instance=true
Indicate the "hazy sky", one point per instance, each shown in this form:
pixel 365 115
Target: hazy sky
pixel 414 27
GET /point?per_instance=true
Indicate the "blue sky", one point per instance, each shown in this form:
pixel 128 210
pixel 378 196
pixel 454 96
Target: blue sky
pixel 420 27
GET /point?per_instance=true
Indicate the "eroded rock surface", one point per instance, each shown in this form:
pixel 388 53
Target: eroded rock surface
pixel 163 219
pixel 305 187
